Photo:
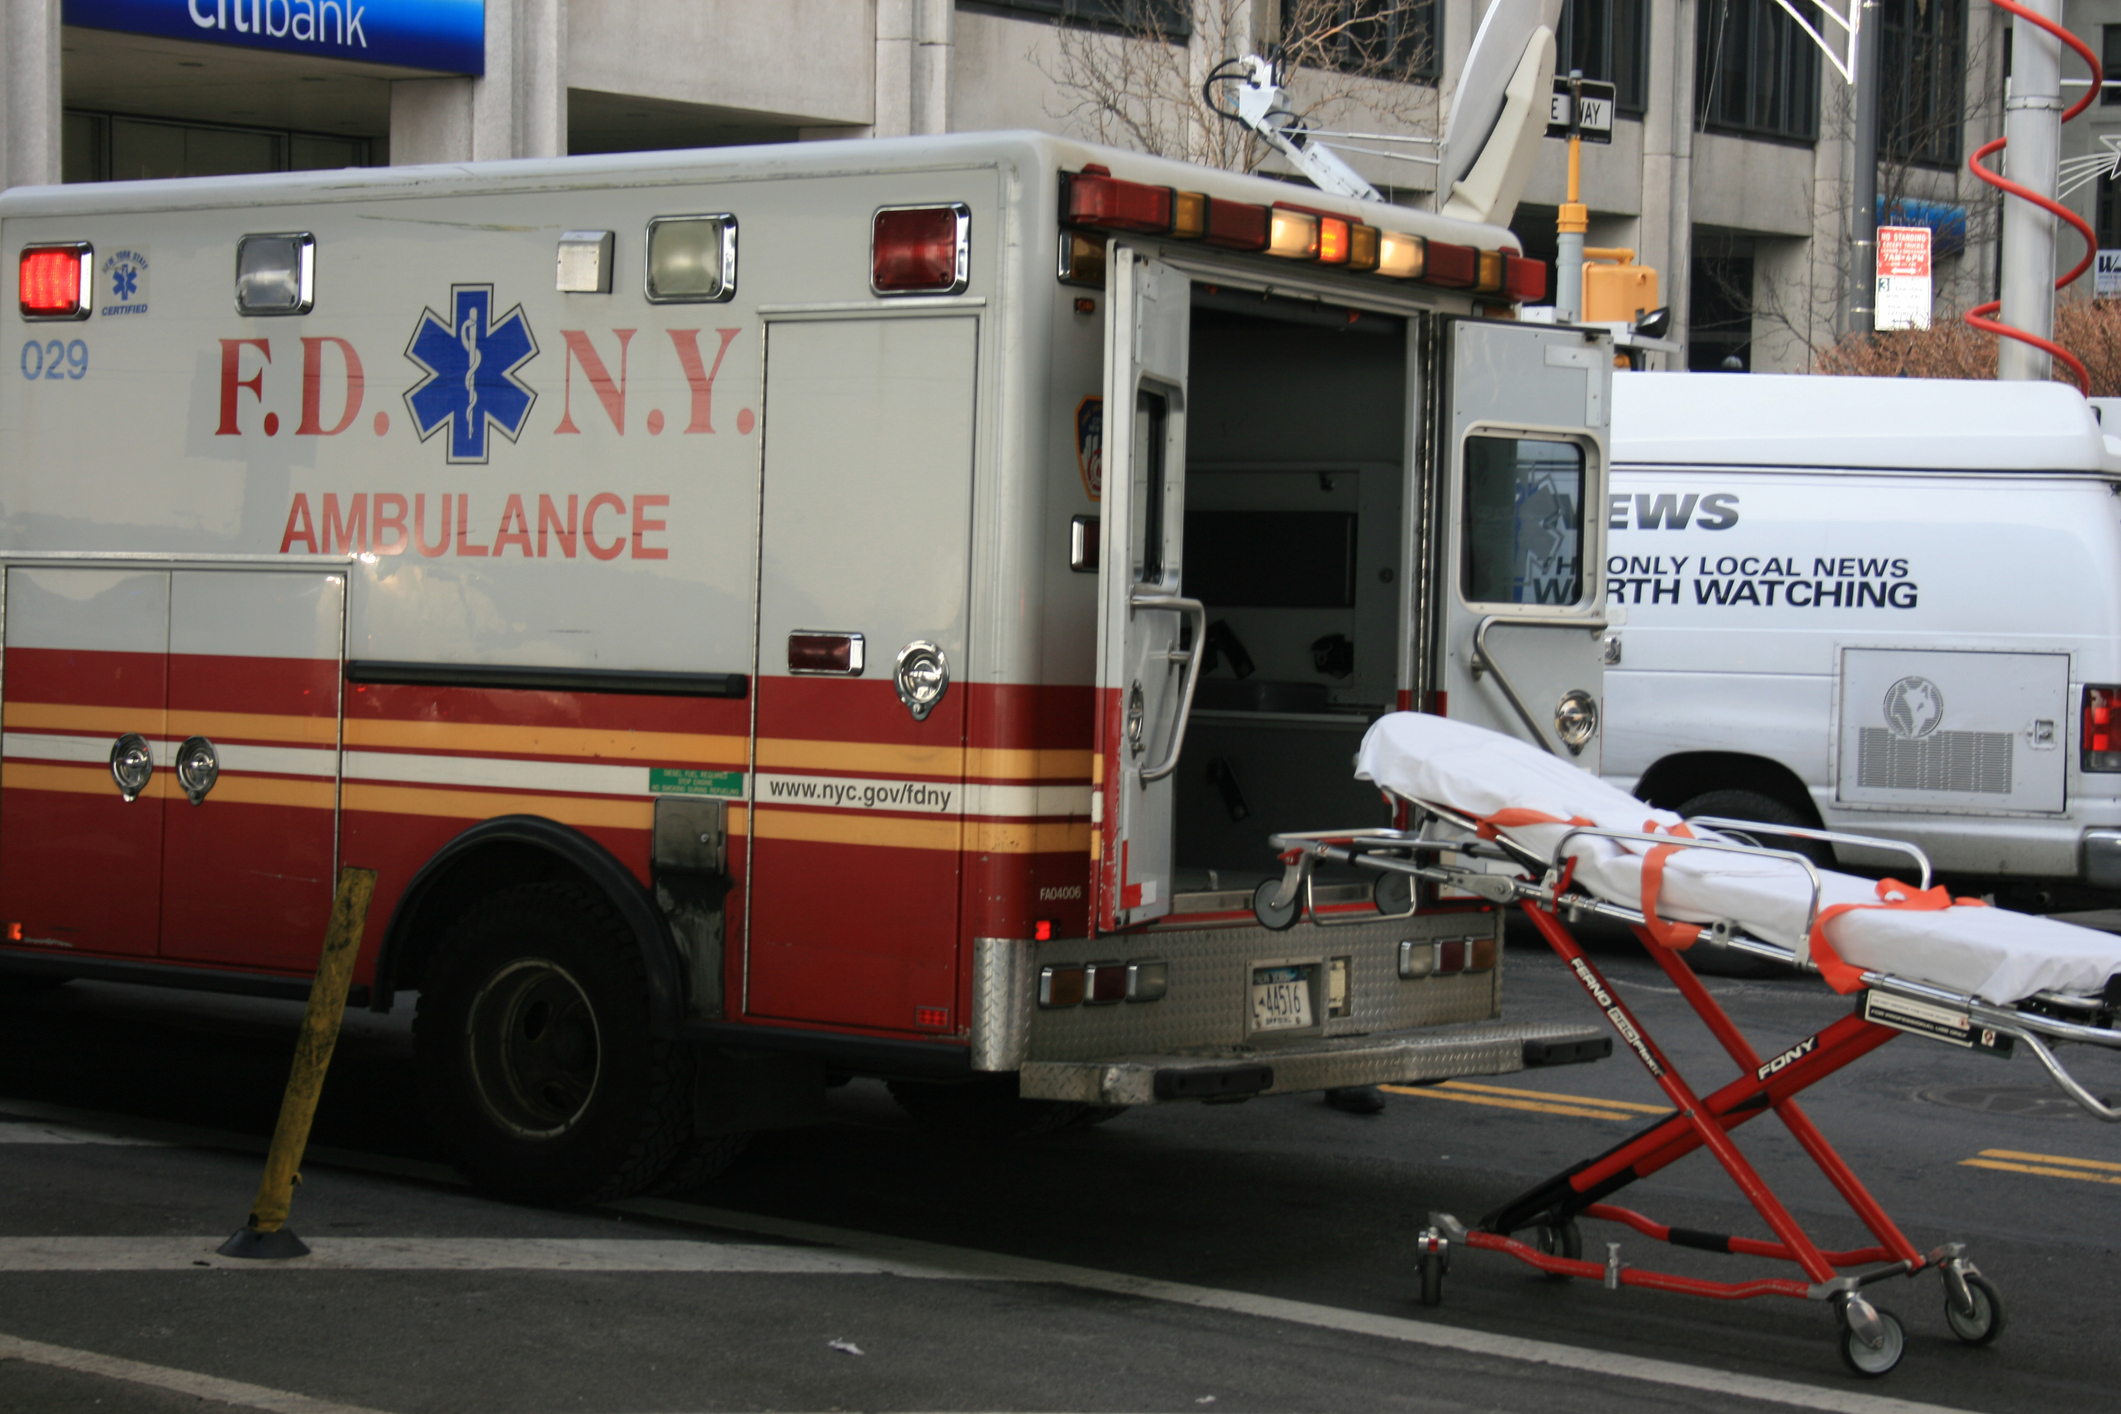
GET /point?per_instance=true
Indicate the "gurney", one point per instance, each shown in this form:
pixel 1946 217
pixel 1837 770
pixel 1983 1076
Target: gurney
pixel 1500 819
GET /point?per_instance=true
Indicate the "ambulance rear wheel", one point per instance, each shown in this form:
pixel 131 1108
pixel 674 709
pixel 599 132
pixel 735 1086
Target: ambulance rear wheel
pixel 1710 957
pixel 989 1107
pixel 537 1070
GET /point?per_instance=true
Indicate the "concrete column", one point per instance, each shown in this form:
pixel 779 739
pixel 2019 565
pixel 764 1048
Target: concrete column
pixel 894 69
pixel 518 108
pixel 29 93
pixel 1668 158
pixel 934 31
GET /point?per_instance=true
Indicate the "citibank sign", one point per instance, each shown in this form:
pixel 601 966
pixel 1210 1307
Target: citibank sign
pixel 442 36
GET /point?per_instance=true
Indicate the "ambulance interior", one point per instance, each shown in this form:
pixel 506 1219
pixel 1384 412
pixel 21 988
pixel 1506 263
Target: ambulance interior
pixel 1296 437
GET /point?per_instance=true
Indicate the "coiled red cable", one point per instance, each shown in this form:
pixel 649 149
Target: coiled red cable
pixel 1979 315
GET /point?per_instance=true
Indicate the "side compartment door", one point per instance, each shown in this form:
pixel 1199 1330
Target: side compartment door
pixel 858 776
pixel 86 674
pixel 1523 538
pixel 250 813
pixel 1148 633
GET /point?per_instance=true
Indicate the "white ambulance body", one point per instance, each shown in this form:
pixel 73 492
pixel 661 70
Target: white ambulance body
pixel 710 592
pixel 1891 606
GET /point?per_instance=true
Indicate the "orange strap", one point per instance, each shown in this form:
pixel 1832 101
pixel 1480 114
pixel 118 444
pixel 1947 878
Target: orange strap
pixel 1491 825
pixel 1843 977
pixel 1677 937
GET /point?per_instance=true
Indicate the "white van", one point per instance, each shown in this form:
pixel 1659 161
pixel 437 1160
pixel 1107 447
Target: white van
pixel 1886 606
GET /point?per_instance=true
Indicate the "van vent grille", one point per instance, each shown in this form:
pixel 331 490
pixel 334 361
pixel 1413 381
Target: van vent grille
pixel 1965 763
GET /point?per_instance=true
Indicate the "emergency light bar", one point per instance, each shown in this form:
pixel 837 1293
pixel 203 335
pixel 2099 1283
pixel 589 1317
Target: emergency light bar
pixel 1096 200
pixel 53 280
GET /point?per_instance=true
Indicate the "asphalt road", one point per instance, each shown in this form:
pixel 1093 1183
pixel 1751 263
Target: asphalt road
pixel 1254 1256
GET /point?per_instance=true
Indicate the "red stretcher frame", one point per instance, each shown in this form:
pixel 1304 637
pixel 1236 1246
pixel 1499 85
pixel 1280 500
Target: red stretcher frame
pixel 1706 1123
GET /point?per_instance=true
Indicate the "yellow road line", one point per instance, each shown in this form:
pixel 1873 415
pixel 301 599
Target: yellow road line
pixel 1437 1092
pixel 2042 1170
pixel 1550 1095
pixel 2062 1159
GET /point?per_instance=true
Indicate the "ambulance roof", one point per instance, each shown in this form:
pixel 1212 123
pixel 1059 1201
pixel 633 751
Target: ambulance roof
pixel 1769 419
pixel 1042 154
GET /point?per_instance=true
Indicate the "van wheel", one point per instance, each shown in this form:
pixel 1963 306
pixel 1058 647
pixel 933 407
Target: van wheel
pixel 989 1107
pixel 537 1069
pixel 1712 958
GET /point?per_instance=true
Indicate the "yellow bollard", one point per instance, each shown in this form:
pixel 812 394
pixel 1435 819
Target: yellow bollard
pixel 266 1234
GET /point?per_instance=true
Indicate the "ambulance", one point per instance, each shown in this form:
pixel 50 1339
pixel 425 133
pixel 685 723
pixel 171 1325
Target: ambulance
pixel 779 614
pixel 1885 606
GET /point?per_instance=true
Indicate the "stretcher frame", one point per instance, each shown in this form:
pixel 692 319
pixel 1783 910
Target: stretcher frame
pixel 1870 1340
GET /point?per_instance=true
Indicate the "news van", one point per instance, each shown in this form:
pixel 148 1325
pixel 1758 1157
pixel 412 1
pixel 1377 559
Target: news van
pixel 778 614
pixel 1885 606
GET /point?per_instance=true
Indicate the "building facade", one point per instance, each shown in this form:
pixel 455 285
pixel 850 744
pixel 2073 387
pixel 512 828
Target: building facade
pixel 1729 170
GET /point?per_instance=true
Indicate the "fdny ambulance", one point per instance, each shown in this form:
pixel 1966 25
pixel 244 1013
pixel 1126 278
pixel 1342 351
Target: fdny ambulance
pixel 779 614
pixel 1883 605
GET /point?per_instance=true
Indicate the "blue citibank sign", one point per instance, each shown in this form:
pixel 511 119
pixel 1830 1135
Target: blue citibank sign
pixel 443 36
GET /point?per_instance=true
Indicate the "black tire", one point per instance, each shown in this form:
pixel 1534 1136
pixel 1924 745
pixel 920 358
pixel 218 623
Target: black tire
pixel 1564 1240
pixel 1098 1114
pixel 537 1069
pixel 25 982
pixel 1988 1318
pixel 1712 958
pixel 989 1108
pixel 1867 1362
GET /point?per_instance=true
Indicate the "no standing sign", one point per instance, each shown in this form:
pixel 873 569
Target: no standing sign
pixel 1903 278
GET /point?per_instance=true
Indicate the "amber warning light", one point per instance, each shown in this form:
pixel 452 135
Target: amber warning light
pixel 54 281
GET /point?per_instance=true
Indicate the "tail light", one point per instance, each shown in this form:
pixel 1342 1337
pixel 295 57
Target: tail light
pixel 2100 749
pixel 920 250
pixel 54 280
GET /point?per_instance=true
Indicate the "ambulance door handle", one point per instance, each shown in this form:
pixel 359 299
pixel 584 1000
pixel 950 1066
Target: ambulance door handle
pixel 132 765
pixel 198 767
pixel 1146 597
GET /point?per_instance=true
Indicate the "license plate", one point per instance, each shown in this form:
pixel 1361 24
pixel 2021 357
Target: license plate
pixel 1281 998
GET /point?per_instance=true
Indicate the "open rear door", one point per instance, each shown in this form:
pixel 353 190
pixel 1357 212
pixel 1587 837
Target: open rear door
pixel 1148 633
pixel 1526 417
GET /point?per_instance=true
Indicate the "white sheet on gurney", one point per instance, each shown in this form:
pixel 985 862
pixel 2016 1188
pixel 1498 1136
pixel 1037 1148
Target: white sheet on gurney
pixel 1993 953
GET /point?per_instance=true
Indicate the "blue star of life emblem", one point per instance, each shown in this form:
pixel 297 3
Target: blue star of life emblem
pixel 471 364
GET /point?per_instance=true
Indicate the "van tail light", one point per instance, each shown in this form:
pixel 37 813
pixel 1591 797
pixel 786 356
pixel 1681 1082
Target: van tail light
pixel 54 280
pixel 920 250
pixel 2100 749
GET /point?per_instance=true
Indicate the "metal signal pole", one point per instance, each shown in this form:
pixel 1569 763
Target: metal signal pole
pixel 1863 229
pixel 2032 121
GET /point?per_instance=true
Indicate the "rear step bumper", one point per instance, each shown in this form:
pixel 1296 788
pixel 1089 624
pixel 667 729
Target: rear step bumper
pixel 1399 1057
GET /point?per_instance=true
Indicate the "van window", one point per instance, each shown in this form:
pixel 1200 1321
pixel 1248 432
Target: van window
pixel 1523 531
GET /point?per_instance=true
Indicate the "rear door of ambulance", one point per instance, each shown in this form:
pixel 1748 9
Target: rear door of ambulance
pixel 1523 424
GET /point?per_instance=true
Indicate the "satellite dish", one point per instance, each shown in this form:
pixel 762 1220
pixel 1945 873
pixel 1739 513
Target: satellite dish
pixel 1498 47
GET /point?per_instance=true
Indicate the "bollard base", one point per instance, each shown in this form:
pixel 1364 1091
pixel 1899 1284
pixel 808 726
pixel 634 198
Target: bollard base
pixel 278 1244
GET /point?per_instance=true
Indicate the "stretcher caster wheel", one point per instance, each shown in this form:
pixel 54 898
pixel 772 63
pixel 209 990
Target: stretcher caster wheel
pixel 1872 1341
pixel 1393 895
pixel 1431 1279
pixel 1985 1321
pixel 1563 1239
pixel 1279 919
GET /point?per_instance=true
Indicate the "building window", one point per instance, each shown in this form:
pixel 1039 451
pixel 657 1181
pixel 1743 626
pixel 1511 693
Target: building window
pixel 107 147
pixel 1172 19
pixel 1609 40
pixel 1756 72
pixel 2110 59
pixel 1382 38
pixel 2106 213
pixel 1922 72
